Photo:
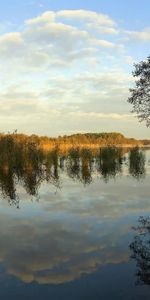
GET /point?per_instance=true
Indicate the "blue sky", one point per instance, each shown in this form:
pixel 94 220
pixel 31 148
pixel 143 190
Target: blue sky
pixel 130 13
pixel 66 65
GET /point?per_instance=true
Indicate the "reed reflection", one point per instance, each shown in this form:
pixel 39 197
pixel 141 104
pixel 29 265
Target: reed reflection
pixel 80 165
pixel 140 250
pixel 137 163
pixel 52 165
pixel 8 186
pixel 73 164
pixel 27 165
pixel 87 164
pixel 109 162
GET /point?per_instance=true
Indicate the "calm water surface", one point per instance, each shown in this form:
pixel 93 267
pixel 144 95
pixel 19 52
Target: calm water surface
pixel 72 236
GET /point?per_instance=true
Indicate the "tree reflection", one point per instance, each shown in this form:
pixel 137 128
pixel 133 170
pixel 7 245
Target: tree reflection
pixel 140 249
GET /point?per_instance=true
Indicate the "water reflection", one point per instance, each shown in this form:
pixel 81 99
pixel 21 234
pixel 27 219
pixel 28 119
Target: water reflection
pixel 54 252
pixel 109 162
pixel 8 186
pixel 52 163
pixel 73 243
pixel 137 163
pixel 140 249
pixel 80 165
pixel 29 166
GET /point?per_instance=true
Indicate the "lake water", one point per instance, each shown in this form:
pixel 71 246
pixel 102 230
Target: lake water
pixel 72 237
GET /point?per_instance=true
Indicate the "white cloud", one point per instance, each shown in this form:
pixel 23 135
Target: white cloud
pixel 11 44
pixel 48 16
pixel 143 36
pixel 113 116
pixel 65 64
pixel 86 16
pixel 48 38
pixel 103 29
pixel 104 43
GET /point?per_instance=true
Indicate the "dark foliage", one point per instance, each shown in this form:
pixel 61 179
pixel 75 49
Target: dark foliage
pixel 140 94
pixel 140 250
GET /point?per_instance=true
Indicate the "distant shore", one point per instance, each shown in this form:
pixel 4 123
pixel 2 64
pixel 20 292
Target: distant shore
pixel 86 140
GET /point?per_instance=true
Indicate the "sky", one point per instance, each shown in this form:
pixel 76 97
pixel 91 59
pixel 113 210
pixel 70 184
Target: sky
pixel 66 66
